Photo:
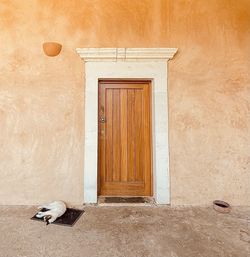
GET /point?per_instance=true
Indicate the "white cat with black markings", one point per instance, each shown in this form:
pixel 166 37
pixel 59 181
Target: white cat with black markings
pixel 54 210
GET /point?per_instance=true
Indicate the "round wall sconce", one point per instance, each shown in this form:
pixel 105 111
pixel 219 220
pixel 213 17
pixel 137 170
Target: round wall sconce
pixel 52 48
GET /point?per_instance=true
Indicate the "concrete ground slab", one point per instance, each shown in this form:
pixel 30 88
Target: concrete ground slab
pixel 128 232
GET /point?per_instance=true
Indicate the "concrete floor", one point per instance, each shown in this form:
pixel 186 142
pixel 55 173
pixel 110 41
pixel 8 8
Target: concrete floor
pixel 128 232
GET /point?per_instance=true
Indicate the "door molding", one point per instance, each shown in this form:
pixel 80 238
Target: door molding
pixel 128 63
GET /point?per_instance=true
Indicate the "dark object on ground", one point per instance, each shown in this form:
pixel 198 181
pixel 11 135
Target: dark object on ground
pixel 126 200
pixel 69 218
pixel 221 206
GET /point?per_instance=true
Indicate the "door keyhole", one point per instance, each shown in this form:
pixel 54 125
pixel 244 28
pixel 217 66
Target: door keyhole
pixel 102 119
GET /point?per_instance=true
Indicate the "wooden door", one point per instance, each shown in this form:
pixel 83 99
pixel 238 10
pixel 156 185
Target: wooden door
pixel 124 138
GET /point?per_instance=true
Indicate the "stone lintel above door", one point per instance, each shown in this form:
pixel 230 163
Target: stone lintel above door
pixel 126 54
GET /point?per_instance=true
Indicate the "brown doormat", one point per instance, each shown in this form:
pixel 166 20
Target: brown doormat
pixel 127 200
pixel 69 218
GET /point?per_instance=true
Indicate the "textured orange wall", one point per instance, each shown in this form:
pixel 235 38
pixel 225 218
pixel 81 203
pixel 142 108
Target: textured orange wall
pixel 41 98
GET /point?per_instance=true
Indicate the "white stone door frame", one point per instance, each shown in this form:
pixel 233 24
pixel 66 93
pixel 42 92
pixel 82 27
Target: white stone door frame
pixel 127 63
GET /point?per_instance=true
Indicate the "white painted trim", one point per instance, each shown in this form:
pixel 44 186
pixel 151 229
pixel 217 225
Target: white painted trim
pixel 126 54
pixel 120 69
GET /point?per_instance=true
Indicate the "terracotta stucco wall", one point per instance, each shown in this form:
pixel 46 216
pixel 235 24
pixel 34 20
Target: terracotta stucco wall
pixel 41 98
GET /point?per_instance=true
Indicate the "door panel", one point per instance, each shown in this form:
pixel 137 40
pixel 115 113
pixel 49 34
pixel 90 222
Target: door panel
pixel 124 138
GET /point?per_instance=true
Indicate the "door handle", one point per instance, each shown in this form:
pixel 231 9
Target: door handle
pixel 102 119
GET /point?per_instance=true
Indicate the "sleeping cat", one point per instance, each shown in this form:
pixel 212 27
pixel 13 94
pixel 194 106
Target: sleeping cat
pixel 54 210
